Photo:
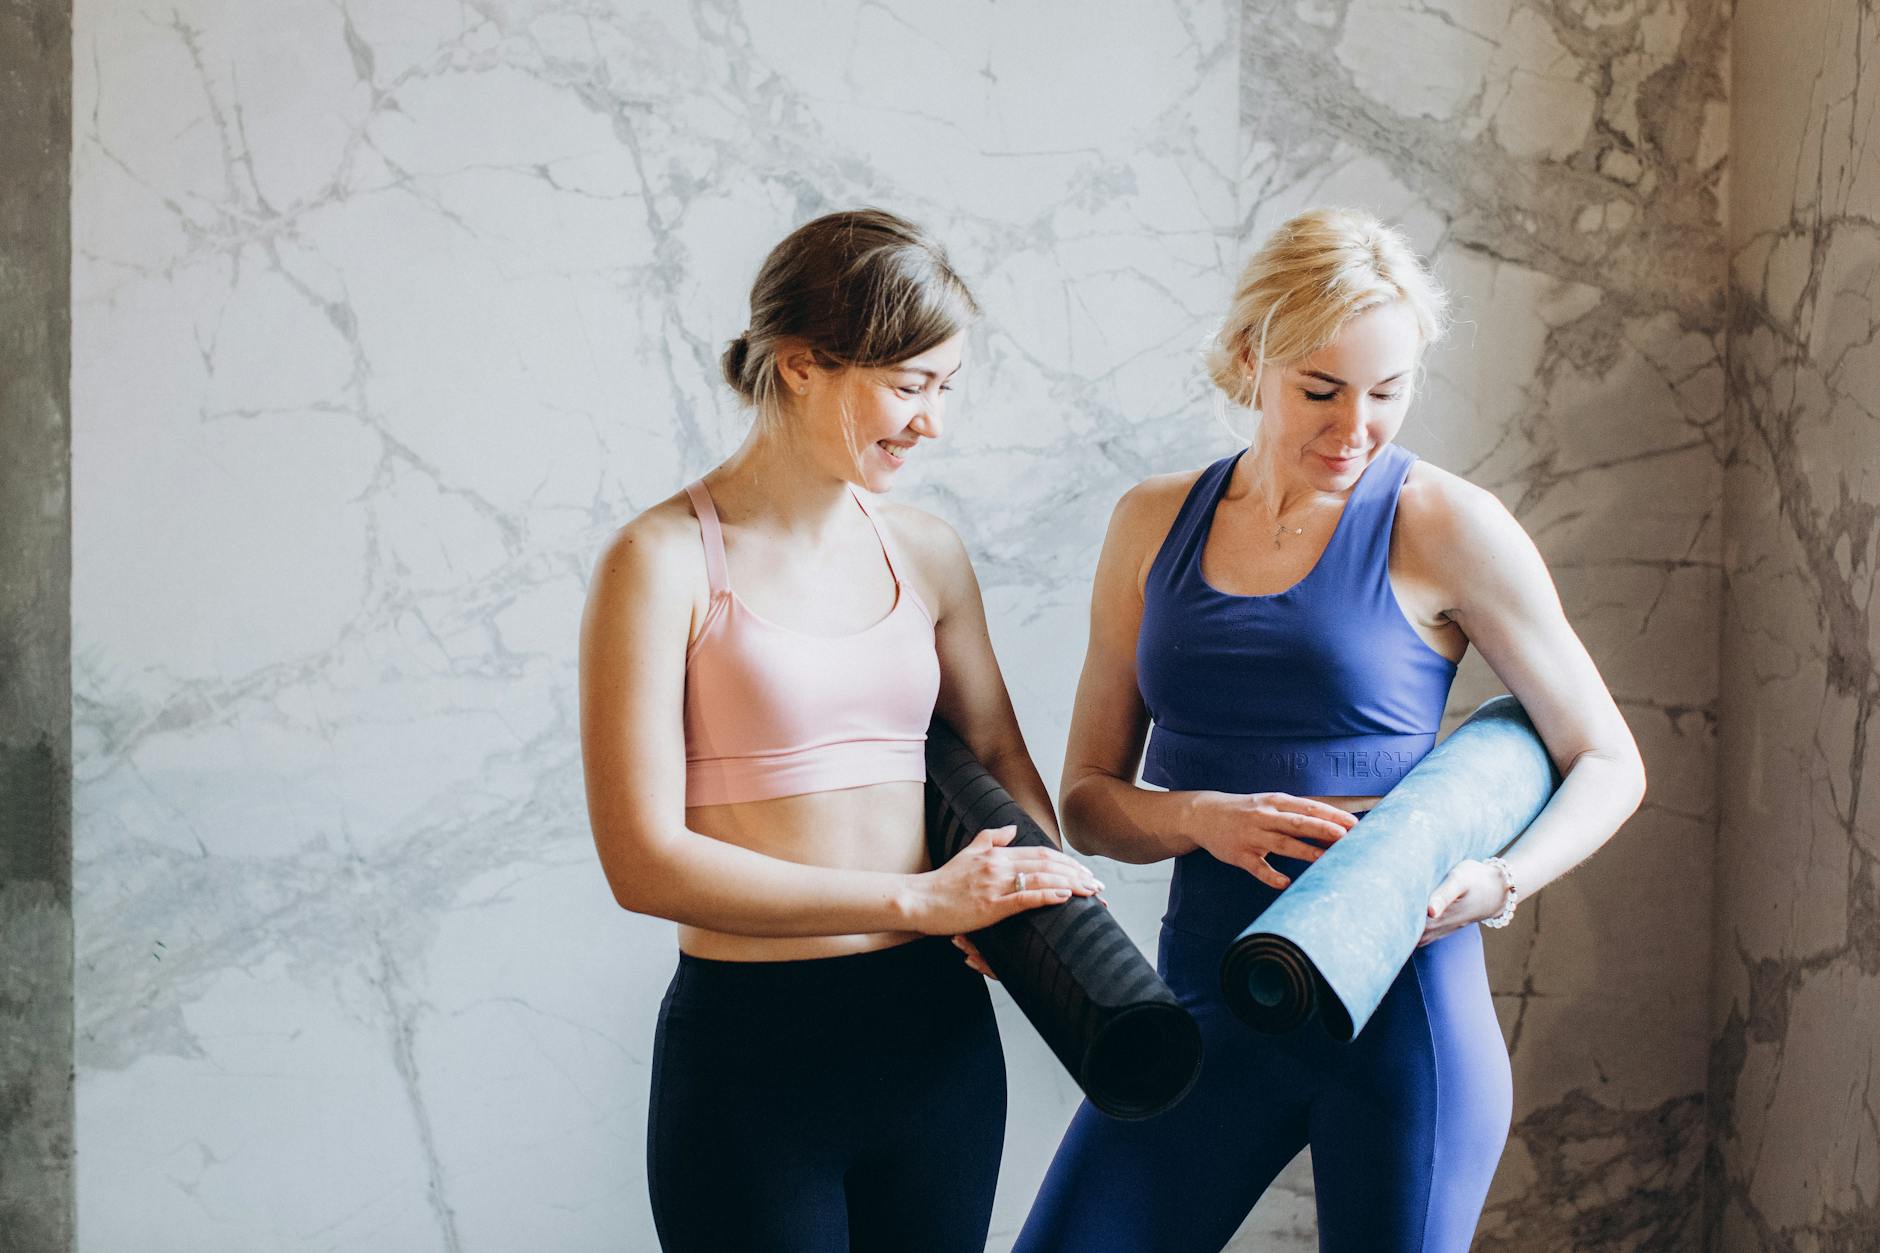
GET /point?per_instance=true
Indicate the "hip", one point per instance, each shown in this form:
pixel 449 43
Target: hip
pixel 885 998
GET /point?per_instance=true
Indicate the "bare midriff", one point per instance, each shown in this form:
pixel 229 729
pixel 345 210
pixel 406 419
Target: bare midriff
pixel 879 826
pixel 1350 804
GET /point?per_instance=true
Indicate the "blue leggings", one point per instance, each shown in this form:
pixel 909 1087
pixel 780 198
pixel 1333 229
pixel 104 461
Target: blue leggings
pixel 848 1104
pixel 1406 1123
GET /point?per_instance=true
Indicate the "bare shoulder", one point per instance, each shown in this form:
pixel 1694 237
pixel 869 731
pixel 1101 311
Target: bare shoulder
pixel 936 557
pixel 1460 541
pixel 657 552
pixel 1141 521
pixel 1144 513
pixel 1441 511
pixel 928 539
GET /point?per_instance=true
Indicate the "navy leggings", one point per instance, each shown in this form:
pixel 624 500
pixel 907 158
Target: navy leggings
pixel 1406 1122
pixel 821 1106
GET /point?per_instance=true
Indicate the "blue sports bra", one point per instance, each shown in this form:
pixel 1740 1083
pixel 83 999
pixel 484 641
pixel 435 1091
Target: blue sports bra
pixel 1324 689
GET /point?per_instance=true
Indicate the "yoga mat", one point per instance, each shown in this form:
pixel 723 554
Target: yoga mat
pixel 1337 936
pixel 1080 979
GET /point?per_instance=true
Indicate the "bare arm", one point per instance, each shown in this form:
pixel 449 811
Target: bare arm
pixel 973 697
pixel 1504 600
pixel 1104 811
pixel 633 642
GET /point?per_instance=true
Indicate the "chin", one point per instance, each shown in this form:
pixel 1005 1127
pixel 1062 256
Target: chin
pixel 876 473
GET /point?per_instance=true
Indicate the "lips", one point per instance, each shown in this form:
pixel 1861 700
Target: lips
pixel 896 453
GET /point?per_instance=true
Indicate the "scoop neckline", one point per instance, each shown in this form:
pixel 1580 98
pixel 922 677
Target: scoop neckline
pixel 730 591
pixel 1207 531
pixel 900 596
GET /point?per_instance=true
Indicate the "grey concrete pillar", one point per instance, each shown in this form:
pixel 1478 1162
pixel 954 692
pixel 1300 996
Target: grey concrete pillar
pixel 36 1202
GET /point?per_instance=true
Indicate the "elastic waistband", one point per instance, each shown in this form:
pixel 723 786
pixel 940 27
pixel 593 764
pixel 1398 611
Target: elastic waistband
pixel 896 965
pixel 1214 902
pixel 1211 900
pixel 1343 765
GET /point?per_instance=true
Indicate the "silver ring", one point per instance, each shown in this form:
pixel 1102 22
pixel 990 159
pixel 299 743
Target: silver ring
pixel 1020 881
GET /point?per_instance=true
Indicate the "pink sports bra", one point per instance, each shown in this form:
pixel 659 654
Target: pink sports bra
pixel 774 712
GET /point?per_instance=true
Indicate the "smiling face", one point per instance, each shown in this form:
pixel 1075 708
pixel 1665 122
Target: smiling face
pixel 1325 416
pixel 864 422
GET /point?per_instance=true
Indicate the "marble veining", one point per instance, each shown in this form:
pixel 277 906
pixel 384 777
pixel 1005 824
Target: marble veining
pixel 1563 165
pixel 1794 1128
pixel 385 314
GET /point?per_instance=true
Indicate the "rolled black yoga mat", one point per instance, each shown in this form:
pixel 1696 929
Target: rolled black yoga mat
pixel 1335 939
pixel 1080 979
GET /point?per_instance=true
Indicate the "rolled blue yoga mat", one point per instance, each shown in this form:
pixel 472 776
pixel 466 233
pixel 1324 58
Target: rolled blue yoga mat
pixel 1335 939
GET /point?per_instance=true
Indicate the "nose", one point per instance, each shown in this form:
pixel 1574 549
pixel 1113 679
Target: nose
pixel 926 419
pixel 1349 421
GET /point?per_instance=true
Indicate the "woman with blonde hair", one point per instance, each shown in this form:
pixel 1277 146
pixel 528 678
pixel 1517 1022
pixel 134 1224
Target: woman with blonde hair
pixel 1282 628
pixel 760 658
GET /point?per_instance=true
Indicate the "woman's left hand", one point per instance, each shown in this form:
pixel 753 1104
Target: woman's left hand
pixel 974 957
pixel 1472 891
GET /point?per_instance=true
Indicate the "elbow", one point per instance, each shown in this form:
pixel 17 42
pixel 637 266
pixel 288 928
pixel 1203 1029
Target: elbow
pixel 1080 835
pixel 1631 770
pixel 632 893
pixel 636 878
pixel 635 901
pixel 1622 769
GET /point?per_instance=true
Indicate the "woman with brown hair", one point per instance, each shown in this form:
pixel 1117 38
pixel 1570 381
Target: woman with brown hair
pixel 760 658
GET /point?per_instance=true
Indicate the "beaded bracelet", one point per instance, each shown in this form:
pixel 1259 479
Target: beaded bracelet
pixel 1506 915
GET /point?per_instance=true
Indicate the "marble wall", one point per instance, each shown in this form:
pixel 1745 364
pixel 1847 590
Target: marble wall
pixel 1795 1124
pixel 386 313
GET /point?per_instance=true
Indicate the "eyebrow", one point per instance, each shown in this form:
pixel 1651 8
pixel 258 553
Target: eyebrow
pixel 1335 380
pixel 921 369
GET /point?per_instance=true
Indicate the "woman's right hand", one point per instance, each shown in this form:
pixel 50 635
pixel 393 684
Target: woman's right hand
pixel 1242 830
pixel 979 886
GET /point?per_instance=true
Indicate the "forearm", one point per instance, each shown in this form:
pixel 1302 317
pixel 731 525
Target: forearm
pixel 705 882
pixel 1019 776
pixel 1109 817
pixel 1599 793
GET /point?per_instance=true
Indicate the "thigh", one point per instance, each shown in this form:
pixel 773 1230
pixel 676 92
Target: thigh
pixel 740 1156
pixel 924 1180
pixel 1405 1141
pixel 1184 1181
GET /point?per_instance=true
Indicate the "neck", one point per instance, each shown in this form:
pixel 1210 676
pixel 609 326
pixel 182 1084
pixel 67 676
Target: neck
pixel 1278 489
pixel 773 477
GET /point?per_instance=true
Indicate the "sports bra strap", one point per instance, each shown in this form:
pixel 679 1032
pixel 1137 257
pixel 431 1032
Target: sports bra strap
pixel 713 535
pixel 881 534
